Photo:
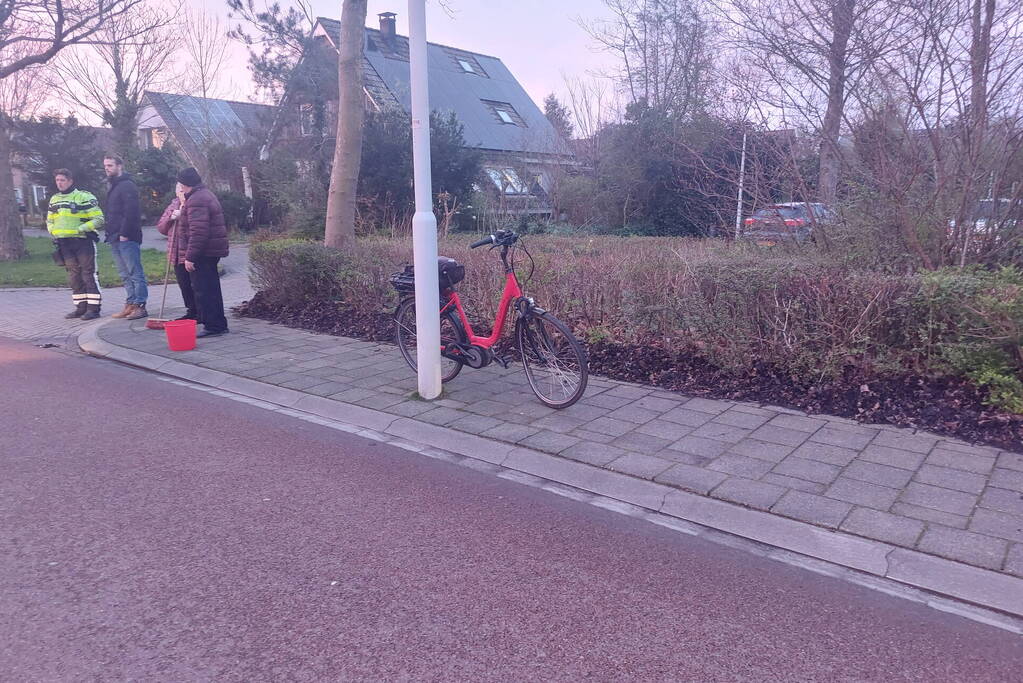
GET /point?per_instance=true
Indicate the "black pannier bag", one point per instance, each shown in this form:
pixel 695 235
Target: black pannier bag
pixel 449 273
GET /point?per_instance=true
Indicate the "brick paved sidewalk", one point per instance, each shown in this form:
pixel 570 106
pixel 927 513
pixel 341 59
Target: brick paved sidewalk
pixel 914 490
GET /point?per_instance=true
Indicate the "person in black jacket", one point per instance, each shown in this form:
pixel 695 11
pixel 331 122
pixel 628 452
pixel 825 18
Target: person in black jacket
pixel 124 233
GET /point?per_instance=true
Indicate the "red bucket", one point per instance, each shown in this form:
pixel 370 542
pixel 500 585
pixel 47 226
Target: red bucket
pixel 180 334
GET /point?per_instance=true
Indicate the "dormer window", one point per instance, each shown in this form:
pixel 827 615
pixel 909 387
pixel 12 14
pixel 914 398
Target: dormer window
pixel 466 66
pixel 505 113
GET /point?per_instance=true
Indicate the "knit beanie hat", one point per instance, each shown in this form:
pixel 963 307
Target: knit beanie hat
pixel 189 177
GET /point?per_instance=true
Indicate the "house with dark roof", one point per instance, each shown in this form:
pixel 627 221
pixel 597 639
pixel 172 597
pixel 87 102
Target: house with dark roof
pixel 193 124
pixel 518 144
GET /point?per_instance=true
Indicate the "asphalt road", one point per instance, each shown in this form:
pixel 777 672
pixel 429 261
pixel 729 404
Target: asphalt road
pixel 149 531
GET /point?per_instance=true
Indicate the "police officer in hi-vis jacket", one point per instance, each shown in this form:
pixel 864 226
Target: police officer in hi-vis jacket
pixel 73 220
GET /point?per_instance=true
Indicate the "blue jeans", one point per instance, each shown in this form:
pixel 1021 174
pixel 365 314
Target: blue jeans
pixel 128 257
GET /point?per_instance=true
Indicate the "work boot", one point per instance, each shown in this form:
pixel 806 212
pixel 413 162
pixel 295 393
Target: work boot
pixel 78 312
pixel 91 312
pixel 128 308
pixel 139 312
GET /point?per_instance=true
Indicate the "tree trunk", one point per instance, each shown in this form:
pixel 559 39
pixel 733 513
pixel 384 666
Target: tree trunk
pixel 830 155
pixel 12 239
pixel 351 112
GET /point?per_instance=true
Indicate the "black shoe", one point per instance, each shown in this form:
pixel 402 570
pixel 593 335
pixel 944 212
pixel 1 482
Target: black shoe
pixel 208 333
pixel 77 313
pixel 91 314
pixel 187 316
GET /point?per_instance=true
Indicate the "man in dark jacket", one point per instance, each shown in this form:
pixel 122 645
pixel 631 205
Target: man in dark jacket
pixel 203 236
pixel 124 233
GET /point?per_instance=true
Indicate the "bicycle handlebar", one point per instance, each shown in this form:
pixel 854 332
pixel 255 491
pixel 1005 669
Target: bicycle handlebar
pixel 501 238
pixel 483 242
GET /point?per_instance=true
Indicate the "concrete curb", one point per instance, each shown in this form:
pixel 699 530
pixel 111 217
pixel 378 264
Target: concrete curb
pixel 937 575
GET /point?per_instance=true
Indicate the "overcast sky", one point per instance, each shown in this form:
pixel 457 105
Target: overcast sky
pixel 540 41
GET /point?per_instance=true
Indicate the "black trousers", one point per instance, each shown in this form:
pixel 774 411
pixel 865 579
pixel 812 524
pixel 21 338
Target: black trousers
pixel 187 293
pixel 79 254
pixel 209 301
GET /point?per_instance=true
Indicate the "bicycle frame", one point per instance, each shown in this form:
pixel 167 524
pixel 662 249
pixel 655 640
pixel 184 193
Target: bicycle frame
pixel 512 291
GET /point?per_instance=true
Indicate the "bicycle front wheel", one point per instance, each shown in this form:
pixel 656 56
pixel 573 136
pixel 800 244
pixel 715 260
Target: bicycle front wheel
pixel 553 359
pixel 450 331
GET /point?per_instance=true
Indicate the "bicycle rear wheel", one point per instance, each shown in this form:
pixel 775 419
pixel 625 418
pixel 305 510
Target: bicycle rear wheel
pixel 553 359
pixel 450 331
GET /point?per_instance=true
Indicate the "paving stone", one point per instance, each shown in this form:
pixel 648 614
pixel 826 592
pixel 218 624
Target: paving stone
pixel 474 424
pixel 689 418
pixel 967 449
pixel 863 493
pixel 811 508
pixel 690 478
pixel 822 452
pixel 955 544
pixel 740 465
pixel 664 429
pixel 721 432
pixel 381 401
pixel 998 524
pixel 780 435
pixel 755 494
pixel 657 405
pixel 948 478
pixel 409 408
pixel 762 450
pixel 559 423
pixel 441 416
pixel 706 405
pixel 642 443
pixel 684 458
pixel 549 442
pixel 811 470
pixel 325 389
pixel 893 457
pixel 1014 561
pixel 929 515
pixel 916 443
pixel 967 462
pixel 512 433
pixel 1007 479
pixel 593 453
pixel 1002 500
pixel 629 392
pixel 280 378
pixel 302 383
pixel 798 423
pixel 739 418
pixel 605 402
pixel 583 412
pixel 644 466
pixel 1011 461
pixel 486 407
pixel 883 526
pixel 843 436
pixel 353 395
pixel 609 426
pixel 793 483
pixel 936 498
pixel 878 474
pixel 632 413
pixel 708 448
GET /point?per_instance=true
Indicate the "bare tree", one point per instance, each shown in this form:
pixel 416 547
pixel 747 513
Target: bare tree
pixel 32 32
pixel 109 77
pixel 351 114
pixel 814 54
pixel 664 48
pixel 205 44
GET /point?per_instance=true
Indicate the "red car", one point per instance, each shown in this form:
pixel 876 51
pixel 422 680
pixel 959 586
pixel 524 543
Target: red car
pixel 791 221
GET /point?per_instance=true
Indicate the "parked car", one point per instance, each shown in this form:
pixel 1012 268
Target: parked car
pixel 788 222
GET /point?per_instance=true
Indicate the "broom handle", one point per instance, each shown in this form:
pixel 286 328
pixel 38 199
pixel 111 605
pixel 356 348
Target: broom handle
pixel 166 272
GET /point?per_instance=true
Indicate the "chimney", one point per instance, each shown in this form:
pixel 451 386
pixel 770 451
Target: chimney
pixel 387 26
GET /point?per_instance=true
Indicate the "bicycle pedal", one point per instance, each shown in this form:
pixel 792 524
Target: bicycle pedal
pixel 502 361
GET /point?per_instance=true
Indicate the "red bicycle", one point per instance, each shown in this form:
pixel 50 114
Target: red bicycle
pixel 553 359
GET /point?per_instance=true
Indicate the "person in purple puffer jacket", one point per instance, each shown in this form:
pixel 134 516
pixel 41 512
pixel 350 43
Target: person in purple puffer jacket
pixel 169 225
pixel 203 239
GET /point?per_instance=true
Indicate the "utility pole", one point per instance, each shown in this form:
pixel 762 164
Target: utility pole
pixel 742 178
pixel 424 223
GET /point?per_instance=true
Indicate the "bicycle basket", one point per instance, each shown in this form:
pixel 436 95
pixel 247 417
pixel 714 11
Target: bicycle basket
pixel 449 273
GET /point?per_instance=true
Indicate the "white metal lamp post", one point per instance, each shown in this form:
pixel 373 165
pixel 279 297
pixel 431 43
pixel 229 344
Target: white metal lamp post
pixel 424 223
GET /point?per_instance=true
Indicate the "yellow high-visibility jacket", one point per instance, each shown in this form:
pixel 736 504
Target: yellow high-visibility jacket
pixel 73 214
